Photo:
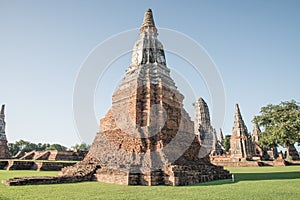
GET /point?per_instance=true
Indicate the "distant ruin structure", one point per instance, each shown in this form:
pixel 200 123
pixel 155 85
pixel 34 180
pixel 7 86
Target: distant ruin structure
pixel 240 141
pixel 203 129
pixel 258 150
pixel 4 151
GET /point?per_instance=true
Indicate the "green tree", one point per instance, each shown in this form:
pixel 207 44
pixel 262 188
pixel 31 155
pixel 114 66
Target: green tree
pixel 226 142
pixel 57 147
pixel 42 147
pixel 25 146
pixel 281 124
pixel 29 147
pixel 81 147
pixel 22 144
pixel 13 149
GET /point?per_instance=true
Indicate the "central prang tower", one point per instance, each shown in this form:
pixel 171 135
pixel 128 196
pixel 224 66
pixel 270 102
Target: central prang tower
pixel 147 137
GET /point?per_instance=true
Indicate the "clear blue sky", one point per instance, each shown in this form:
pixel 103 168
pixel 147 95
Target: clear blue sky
pixel 255 45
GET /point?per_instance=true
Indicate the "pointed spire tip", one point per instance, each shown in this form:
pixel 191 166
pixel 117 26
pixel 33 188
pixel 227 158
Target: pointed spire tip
pixel 148 19
pixel 237 109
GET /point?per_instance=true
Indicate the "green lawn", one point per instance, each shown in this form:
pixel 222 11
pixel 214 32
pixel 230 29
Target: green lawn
pixel 250 183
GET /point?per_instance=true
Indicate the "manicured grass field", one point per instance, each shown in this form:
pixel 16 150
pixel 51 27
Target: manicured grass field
pixel 250 183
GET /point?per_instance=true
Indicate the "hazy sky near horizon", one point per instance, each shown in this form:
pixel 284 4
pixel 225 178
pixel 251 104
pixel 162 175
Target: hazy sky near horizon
pixel 254 44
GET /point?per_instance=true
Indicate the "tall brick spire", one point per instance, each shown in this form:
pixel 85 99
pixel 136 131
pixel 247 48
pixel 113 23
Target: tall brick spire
pixel 2 115
pixel 240 143
pixel 239 127
pixel 256 131
pixel 2 123
pixel 202 126
pixel 203 117
pixel 4 152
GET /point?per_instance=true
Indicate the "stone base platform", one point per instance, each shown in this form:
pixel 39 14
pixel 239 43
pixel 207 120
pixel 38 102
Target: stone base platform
pixel 173 175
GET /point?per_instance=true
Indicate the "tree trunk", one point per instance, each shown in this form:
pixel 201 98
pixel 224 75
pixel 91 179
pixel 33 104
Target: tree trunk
pixel 287 148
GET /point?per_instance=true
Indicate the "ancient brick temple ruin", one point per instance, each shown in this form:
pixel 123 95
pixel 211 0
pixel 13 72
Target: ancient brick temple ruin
pixel 4 151
pixel 245 150
pixel 244 146
pixel 258 150
pixel 240 142
pixel 203 129
pixel 146 137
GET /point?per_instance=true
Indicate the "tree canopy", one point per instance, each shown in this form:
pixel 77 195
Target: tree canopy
pixel 25 146
pixel 81 147
pixel 281 124
pixel 226 142
pixel 57 147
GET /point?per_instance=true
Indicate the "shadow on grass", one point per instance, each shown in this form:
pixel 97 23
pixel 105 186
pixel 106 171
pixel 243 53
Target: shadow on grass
pixel 212 183
pixel 266 176
pixel 253 177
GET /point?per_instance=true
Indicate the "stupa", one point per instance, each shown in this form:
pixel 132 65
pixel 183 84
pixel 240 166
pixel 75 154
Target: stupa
pixel 146 137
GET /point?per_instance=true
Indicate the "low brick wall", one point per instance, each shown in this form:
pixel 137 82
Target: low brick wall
pixel 68 155
pixel 250 163
pixel 55 155
pixel 34 165
pixel 20 165
pixel 237 164
pixel 52 166
pixel 42 180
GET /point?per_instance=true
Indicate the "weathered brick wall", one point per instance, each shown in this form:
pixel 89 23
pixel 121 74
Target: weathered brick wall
pixel 67 155
pixel 20 165
pixel 55 155
pixel 52 166
pixel 108 175
pixel 42 180
pixel 34 165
